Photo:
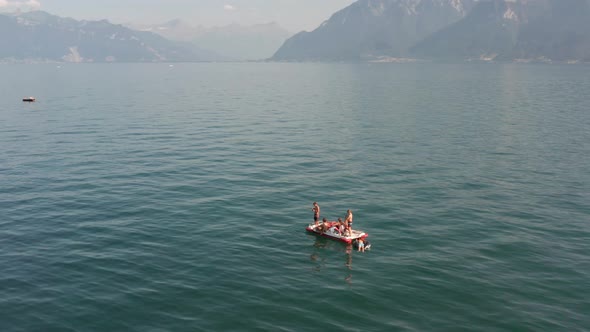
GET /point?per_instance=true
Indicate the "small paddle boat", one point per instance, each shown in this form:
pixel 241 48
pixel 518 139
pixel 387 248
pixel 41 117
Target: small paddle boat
pixel 335 235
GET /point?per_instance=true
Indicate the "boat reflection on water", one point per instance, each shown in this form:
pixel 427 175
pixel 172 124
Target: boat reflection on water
pixel 320 258
pixel 348 264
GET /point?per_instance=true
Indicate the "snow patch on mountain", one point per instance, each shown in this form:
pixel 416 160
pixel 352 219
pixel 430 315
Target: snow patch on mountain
pixel 458 5
pixel 377 9
pixel 510 15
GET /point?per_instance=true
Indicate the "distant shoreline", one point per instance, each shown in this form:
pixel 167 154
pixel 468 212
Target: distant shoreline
pixel 380 60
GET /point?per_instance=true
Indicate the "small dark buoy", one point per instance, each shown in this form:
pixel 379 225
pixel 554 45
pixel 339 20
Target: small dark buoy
pixel 29 99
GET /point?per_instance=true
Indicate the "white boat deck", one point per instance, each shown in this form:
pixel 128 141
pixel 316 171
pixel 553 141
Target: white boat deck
pixel 355 233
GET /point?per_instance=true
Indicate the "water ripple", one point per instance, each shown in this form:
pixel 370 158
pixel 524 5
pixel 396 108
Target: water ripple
pixel 121 210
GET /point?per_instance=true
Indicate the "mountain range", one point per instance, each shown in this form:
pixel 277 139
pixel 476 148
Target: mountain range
pixel 370 28
pixel 506 30
pixel 39 36
pixel 457 29
pixel 367 30
pixel 232 42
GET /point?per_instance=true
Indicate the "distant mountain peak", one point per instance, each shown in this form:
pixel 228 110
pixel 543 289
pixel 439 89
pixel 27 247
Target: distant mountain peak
pixel 508 30
pixel 175 22
pixel 233 41
pixel 486 29
pixel 53 38
pixel 369 28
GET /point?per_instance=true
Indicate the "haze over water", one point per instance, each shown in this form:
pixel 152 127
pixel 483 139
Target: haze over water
pixel 143 197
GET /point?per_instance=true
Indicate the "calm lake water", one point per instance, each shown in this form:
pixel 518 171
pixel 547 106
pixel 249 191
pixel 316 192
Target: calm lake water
pixel 149 197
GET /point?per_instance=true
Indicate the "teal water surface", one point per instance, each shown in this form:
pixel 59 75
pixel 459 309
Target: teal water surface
pixel 149 197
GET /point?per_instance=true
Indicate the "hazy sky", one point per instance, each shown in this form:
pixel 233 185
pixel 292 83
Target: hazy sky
pixel 295 15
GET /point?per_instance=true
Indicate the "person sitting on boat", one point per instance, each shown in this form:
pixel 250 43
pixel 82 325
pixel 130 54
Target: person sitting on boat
pixel 325 226
pixel 320 227
pixel 334 229
pixel 341 227
pixel 316 212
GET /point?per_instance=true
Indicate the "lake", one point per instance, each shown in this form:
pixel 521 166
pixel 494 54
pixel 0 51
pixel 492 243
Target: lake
pixel 156 197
